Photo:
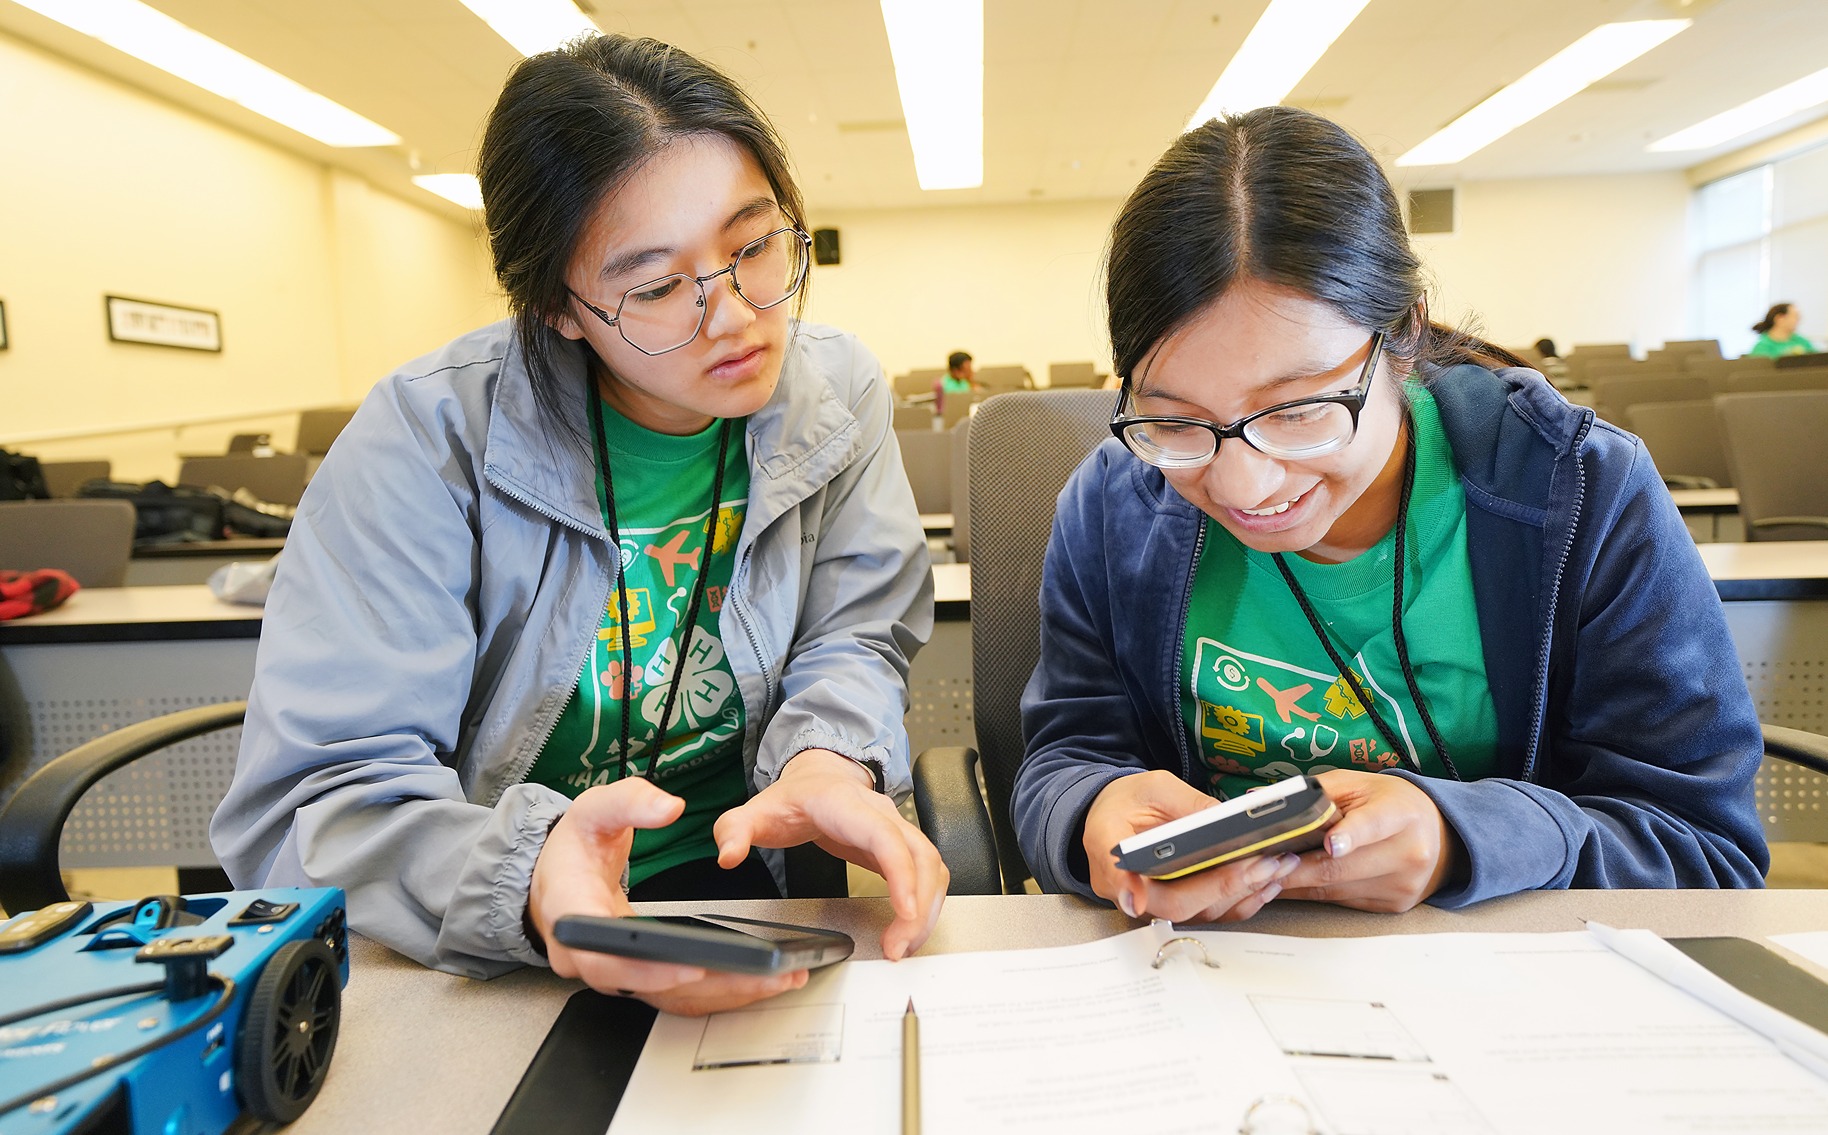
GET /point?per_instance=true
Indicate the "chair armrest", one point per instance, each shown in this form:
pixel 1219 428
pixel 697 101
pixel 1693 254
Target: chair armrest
pixel 953 816
pixel 1810 750
pixel 33 820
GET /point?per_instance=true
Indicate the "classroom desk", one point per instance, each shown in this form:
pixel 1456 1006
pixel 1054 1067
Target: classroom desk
pixel 158 565
pixel 1713 504
pixel 425 1051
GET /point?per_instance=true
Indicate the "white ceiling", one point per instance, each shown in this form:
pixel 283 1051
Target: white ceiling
pixel 1080 95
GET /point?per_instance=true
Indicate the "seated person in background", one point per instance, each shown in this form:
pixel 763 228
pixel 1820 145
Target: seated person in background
pixel 960 378
pixel 586 605
pixel 1339 539
pixel 1777 335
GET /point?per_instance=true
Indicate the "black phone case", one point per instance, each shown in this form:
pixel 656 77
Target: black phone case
pixel 1298 822
pixel 709 945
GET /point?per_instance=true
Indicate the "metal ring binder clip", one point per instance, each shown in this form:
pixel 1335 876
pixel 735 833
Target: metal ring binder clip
pixel 1161 955
pixel 1278 1115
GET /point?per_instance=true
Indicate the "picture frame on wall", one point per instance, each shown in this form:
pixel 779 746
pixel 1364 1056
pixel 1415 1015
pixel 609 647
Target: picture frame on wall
pixel 163 324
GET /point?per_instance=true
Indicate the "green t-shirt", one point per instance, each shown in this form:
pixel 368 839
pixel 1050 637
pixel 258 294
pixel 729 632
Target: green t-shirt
pixel 663 488
pixel 1777 349
pixel 952 384
pixel 1261 699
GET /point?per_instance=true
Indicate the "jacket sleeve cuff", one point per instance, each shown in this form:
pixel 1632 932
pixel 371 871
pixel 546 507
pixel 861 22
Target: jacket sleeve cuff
pixel 1513 842
pixel 1063 830
pixel 503 858
pixel 872 758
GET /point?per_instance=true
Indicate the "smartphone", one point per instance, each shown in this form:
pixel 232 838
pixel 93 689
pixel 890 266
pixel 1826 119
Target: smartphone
pixel 719 942
pixel 1288 816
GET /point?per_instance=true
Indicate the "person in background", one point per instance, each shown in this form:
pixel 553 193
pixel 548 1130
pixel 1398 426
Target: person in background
pixel 1332 537
pixel 588 605
pixel 960 378
pixel 1777 335
pixel 1546 349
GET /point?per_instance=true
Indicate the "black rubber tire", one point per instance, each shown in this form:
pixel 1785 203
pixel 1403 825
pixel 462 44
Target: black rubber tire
pixel 289 1031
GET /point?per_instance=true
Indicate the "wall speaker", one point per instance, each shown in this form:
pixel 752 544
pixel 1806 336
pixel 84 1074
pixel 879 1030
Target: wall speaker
pixel 825 246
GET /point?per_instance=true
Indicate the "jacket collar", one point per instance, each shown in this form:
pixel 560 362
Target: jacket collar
pixel 796 442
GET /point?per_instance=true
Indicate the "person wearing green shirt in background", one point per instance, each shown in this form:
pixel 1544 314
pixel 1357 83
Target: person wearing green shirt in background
pixel 1777 335
pixel 961 378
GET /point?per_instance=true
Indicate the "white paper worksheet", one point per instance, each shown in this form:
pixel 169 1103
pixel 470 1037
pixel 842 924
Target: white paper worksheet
pixel 1454 1034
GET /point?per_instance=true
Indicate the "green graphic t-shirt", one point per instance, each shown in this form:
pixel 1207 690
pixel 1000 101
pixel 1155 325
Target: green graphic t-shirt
pixel 663 493
pixel 1261 699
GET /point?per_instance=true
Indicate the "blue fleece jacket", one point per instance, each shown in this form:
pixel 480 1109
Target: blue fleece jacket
pixel 1627 738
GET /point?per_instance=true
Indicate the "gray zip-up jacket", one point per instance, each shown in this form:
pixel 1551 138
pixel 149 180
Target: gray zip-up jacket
pixel 442 582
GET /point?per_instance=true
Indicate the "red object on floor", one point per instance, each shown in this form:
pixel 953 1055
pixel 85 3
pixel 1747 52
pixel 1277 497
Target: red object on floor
pixel 25 593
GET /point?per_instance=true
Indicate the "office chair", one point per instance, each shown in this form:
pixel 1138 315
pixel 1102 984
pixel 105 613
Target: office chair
pixel 1614 395
pixel 279 479
pixel 90 539
pixel 1774 449
pixel 1022 448
pixel 63 478
pixel 1684 440
pixel 318 428
pixel 961 491
pixel 926 456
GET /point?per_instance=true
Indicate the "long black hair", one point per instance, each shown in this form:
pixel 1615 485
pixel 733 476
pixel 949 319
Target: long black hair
pixel 1770 319
pixel 570 127
pixel 1285 197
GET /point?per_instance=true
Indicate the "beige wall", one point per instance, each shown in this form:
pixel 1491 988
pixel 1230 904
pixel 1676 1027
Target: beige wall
pixel 322 283
pixel 1578 259
pixel 1008 283
pixel 1581 260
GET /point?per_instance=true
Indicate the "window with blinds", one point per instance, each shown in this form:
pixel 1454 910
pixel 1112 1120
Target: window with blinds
pixel 1761 237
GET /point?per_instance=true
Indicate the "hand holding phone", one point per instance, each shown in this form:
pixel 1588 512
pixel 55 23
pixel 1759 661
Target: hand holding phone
pixel 1289 816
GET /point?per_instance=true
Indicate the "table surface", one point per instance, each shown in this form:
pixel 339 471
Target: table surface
pixel 253 547
pixel 425 1051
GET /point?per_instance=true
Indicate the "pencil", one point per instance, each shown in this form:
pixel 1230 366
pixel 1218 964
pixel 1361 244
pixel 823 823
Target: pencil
pixel 910 1071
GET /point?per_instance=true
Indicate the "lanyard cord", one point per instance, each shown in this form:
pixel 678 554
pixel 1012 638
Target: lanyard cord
pixel 1396 626
pixel 698 585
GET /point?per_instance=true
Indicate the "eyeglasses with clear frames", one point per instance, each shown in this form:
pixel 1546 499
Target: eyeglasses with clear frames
pixel 1295 431
pixel 665 314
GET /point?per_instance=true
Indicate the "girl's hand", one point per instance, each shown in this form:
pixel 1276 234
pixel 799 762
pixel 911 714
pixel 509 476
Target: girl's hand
pixel 579 871
pixel 1390 849
pixel 1229 892
pixel 827 799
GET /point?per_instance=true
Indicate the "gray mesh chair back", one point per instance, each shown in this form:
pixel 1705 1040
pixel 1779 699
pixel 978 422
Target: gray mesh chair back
pixel 279 479
pixel 961 491
pixel 1683 439
pixel 927 457
pixel 63 478
pixel 1613 397
pixel 90 539
pixel 1023 447
pixel 318 428
pixel 1774 448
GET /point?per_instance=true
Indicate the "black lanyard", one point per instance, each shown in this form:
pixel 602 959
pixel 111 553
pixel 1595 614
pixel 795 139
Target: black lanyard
pixel 1396 626
pixel 698 585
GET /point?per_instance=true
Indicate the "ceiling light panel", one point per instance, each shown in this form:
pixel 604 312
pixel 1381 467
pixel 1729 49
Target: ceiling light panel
pixel 1791 98
pixel 532 26
pixel 1562 76
pixel 458 188
pixel 153 37
pixel 938 48
pixel 1288 39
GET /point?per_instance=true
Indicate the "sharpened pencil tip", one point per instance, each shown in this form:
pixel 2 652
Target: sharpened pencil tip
pixel 910 1004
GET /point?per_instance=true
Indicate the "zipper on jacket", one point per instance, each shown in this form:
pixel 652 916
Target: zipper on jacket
pixel 523 766
pixel 1178 648
pixel 755 646
pixel 1548 634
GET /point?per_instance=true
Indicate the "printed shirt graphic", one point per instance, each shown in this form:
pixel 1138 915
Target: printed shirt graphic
pixel 663 491
pixel 1261 699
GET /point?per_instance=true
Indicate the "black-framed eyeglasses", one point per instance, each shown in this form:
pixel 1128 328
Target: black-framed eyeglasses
pixel 665 314
pixel 1294 431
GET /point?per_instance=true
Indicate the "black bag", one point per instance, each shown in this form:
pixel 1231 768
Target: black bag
pixel 21 478
pixel 164 515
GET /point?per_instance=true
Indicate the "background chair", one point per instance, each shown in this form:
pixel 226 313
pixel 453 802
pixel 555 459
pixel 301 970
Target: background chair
pixel 1774 450
pixel 279 479
pixel 927 457
pixel 318 428
pixel 961 491
pixel 63 478
pixel 1063 376
pixel 1022 448
pixel 90 539
pixel 1614 395
pixel 1003 379
pixel 1684 441
pixel 918 381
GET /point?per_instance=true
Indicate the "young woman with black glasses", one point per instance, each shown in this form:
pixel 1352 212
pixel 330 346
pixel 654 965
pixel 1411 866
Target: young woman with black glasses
pixel 1334 538
pixel 588 605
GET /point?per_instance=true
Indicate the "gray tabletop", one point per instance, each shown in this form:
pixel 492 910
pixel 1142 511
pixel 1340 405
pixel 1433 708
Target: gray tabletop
pixel 425 1051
